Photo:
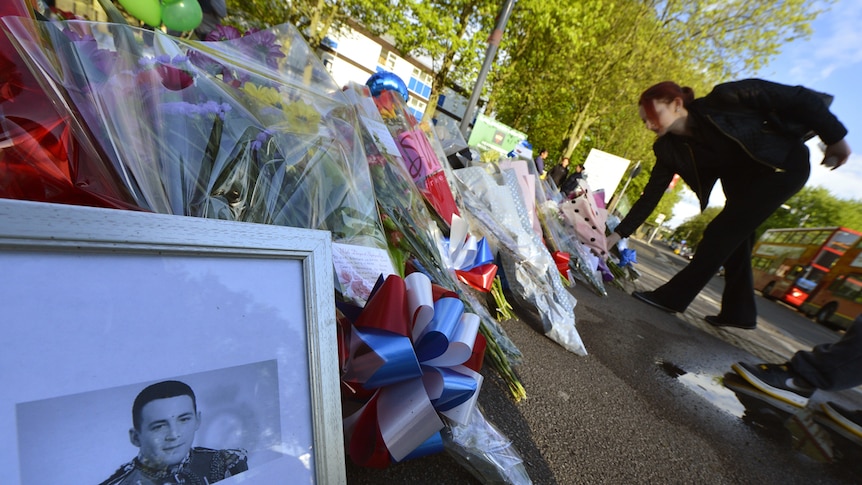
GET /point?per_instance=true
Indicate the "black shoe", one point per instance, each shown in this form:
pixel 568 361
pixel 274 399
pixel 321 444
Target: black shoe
pixel 715 321
pixel 847 419
pixel 777 380
pixel 646 297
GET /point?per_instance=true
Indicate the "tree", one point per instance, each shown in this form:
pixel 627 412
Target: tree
pixel 313 18
pixel 692 229
pixel 815 207
pixel 569 69
pixel 449 32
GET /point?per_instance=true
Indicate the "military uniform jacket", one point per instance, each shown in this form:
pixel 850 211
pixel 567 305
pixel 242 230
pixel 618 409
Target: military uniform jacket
pixel 203 466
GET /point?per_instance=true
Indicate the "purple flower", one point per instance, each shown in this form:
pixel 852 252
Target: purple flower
pixel 191 109
pixel 262 45
pixel 97 63
pixel 607 276
pixel 260 139
pixel 223 32
pixel 205 63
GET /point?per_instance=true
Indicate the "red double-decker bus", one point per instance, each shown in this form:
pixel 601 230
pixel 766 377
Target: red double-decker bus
pixel 788 264
pixel 837 299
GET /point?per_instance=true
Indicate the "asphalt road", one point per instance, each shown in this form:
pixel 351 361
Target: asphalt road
pixel 648 404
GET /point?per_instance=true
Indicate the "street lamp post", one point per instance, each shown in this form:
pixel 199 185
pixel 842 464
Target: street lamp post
pixel 634 173
pixel 493 42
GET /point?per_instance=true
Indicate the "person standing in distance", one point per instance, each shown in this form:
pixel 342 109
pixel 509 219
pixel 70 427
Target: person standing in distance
pixel 540 161
pixel 750 135
pixel 559 173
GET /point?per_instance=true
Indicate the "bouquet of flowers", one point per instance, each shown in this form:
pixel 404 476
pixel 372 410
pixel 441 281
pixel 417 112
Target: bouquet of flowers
pixel 412 231
pixel 560 236
pixel 40 158
pixel 495 203
pixel 425 163
pixel 247 128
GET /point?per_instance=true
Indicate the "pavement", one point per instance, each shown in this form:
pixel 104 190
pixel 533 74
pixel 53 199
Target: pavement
pixel 647 404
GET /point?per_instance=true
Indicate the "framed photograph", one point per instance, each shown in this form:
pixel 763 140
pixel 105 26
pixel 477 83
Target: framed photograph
pixel 148 344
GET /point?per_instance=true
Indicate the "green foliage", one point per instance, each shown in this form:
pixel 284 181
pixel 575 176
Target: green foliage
pixel 692 229
pixel 313 18
pixel 811 207
pixel 452 33
pixel 815 207
pixel 571 72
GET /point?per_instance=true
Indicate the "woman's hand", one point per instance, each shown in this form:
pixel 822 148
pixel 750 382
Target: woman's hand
pixel 836 154
pixel 612 241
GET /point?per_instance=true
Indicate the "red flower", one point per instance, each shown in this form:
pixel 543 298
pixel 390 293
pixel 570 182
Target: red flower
pixel 173 78
pixel 11 83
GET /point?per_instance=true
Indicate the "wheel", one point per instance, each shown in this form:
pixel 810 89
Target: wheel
pixel 767 290
pixel 825 314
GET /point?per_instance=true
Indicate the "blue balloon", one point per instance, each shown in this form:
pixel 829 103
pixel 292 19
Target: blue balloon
pixel 387 80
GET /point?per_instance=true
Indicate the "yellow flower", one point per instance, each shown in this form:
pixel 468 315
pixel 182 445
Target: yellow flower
pixel 301 117
pixel 263 94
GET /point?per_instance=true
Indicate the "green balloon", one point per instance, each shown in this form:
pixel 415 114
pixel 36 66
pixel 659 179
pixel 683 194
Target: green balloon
pixel 147 11
pixel 182 15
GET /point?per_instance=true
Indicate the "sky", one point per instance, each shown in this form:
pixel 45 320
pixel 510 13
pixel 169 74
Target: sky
pixel 830 61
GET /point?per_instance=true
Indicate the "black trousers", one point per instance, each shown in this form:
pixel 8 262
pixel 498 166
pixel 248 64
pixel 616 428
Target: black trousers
pixel 835 366
pixel 753 192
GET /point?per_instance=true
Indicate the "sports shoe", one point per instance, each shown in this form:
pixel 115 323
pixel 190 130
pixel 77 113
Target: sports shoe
pixel 646 297
pixel 777 380
pixel 847 419
pixel 716 321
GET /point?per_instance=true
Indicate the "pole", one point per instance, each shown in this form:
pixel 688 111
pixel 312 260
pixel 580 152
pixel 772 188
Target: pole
pixel 493 42
pixel 632 174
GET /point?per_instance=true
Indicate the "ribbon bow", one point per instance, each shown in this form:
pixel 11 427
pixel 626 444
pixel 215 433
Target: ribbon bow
pixel 470 258
pixel 561 260
pixel 627 257
pixel 406 350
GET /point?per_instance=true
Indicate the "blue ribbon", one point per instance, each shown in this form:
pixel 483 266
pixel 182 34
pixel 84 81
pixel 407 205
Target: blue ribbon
pixel 396 352
pixel 457 388
pixel 431 446
pixel 441 329
pixel 627 257
pixel 483 254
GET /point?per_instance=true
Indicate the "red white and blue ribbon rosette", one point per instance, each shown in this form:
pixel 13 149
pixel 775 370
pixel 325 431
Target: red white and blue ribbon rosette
pixel 471 258
pixel 406 363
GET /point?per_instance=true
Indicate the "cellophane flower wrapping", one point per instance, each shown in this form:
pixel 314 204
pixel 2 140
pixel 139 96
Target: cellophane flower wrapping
pixel 40 157
pixel 251 128
pixel 588 220
pixel 413 229
pixel 561 236
pixel 483 450
pixel 622 258
pixel 448 132
pixel 422 155
pixel 494 202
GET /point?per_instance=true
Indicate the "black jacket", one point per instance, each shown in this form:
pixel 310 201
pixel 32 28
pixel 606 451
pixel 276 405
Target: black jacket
pixel 558 174
pixel 766 119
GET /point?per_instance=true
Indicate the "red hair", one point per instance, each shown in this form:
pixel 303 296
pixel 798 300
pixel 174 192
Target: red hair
pixel 665 91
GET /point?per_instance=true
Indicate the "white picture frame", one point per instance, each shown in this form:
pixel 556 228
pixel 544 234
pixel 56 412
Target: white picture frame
pixel 98 303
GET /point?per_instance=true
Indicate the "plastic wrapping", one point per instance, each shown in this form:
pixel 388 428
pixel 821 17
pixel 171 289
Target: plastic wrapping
pixel 483 450
pixel 560 235
pixel 248 129
pixel 588 220
pixel 448 132
pixel 40 157
pixel 495 205
pixel 421 153
pixel 410 224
